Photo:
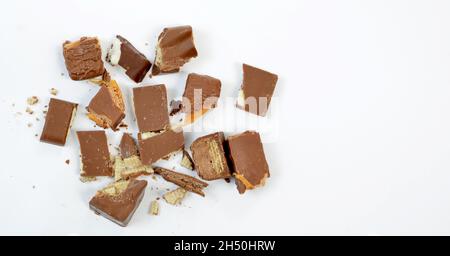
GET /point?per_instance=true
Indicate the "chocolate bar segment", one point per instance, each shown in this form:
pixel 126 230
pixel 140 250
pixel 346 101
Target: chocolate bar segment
pixel 256 90
pixel 150 106
pixel 83 58
pixel 175 48
pixel 118 201
pixel 209 157
pixel 248 161
pixel 107 108
pixel 184 181
pixel 95 157
pixel 58 121
pixel 156 145
pixel 124 54
pixel 128 146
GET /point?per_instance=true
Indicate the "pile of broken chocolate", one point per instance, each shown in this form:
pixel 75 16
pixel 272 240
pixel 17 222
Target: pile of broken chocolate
pixel 213 156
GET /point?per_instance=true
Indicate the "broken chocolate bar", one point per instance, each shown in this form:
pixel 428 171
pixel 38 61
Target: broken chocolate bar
pixel 248 161
pixel 209 157
pixel 95 157
pixel 185 181
pixel 150 106
pixel 107 108
pixel 186 161
pixel 156 145
pixel 129 167
pixel 256 90
pixel 58 121
pixel 118 201
pixel 124 54
pixel 175 48
pixel 200 95
pixel 83 58
pixel 128 146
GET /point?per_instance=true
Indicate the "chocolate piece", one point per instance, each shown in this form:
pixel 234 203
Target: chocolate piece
pixel 150 106
pixel 107 108
pixel 256 90
pixel 185 181
pixel 175 107
pixel 174 197
pixel 186 161
pixel 175 48
pixel 248 161
pixel 130 167
pixel 83 58
pixel 118 201
pixel 124 54
pixel 128 146
pixel 209 157
pixel 154 146
pixel 200 94
pixel 58 121
pixel 95 158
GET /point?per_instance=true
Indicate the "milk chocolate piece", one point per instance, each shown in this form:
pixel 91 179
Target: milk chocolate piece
pixel 128 146
pixel 209 157
pixel 185 181
pixel 156 145
pixel 95 157
pixel 83 58
pixel 175 48
pixel 150 106
pixel 58 121
pixel 107 108
pixel 124 54
pixel 118 201
pixel 248 161
pixel 256 90
pixel 130 167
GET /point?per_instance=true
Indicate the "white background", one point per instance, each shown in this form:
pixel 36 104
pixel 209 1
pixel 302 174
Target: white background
pixel 361 142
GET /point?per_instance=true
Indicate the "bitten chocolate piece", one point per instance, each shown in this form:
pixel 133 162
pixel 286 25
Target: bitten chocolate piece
pixel 128 146
pixel 83 58
pixel 248 161
pixel 107 108
pixel 156 145
pixel 124 54
pixel 58 121
pixel 184 181
pixel 256 90
pixel 118 201
pixel 209 157
pixel 150 106
pixel 95 157
pixel 174 49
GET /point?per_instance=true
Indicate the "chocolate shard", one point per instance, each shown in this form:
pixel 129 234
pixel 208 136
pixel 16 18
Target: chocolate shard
pixel 256 90
pixel 174 49
pixel 156 145
pixel 107 108
pixel 209 158
pixel 58 121
pixel 201 94
pixel 83 58
pixel 118 201
pixel 95 157
pixel 246 155
pixel 182 180
pixel 186 161
pixel 175 107
pixel 150 106
pixel 128 146
pixel 124 54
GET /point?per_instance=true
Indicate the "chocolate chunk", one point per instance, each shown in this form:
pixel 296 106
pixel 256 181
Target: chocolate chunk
pixel 175 48
pixel 58 121
pixel 156 145
pixel 107 108
pixel 118 201
pixel 128 146
pixel 185 181
pixel 200 94
pixel 256 90
pixel 209 157
pixel 186 161
pixel 83 58
pixel 150 106
pixel 130 167
pixel 175 107
pixel 124 54
pixel 248 161
pixel 95 157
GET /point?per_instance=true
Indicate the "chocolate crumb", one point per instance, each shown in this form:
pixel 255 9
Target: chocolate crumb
pixel 53 91
pixel 29 111
pixel 123 125
pixel 37 119
pixel 62 74
pixel 36 135
pixel 67 161
pixel 32 100
pixel 34 186
pixel 227 180
pixel 29 124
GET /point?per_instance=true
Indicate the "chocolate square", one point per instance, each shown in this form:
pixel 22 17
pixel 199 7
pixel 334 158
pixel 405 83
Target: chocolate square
pixel 83 58
pixel 58 121
pixel 150 107
pixel 95 157
pixel 201 93
pixel 156 145
pixel 128 146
